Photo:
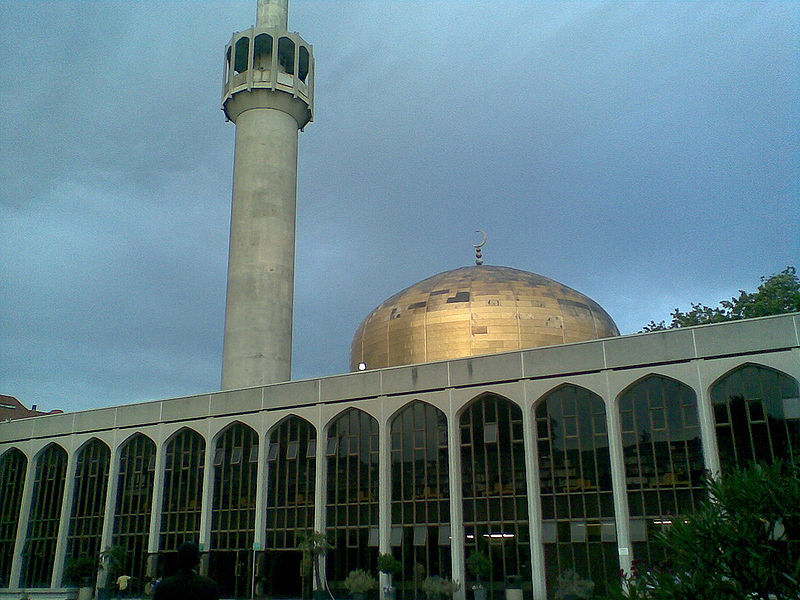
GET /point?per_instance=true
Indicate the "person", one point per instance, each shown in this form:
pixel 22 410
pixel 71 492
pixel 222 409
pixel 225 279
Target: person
pixel 185 584
pixel 123 582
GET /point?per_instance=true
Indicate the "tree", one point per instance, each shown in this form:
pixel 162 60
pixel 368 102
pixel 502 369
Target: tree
pixel 742 542
pixel 777 294
pixel 313 547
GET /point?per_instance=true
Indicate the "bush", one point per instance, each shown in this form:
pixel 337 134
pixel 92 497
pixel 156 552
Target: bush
pixel 360 582
pixel 389 564
pixel 479 565
pixel 438 587
pixel 80 571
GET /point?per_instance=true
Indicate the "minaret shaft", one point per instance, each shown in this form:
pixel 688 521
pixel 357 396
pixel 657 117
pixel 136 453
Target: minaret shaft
pixel 268 94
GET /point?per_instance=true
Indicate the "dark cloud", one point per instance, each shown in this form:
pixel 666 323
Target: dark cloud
pixel 643 153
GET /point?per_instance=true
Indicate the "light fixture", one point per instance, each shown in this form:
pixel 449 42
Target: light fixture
pixel 362 366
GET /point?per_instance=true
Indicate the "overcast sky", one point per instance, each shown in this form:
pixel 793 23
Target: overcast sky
pixel 645 154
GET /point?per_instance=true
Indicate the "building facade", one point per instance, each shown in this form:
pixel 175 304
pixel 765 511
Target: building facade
pixel 549 459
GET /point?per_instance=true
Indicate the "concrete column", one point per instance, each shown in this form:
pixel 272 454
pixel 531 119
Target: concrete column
pixel 273 13
pixel 208 503
pixel 708 427
pixel 539 581
pixel 456 502
pixel 618 484
pixel 258 317
pixel 22 525
pixel 107 534
pixel 384 497
pixel 155 510
pixel 320 496
pixel 63 523
pixel 260 534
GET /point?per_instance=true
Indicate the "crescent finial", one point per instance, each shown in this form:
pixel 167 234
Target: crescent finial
pixel 478 254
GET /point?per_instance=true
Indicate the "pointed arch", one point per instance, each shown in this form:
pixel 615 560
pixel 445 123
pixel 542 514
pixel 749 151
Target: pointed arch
pixel 756 415
pixel 13 468
pixel 578 525
pixel 181 508
pixel 241 55
pixel 663 456
pixel 88 499
pixel 137 465
pixel 494 481
pixel 291 473
pixel 43 522
pixel 420 487
pixel 233 510
pixel 352 493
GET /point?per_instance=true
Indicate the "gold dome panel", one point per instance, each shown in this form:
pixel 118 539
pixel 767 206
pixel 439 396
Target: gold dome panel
pixel 472 311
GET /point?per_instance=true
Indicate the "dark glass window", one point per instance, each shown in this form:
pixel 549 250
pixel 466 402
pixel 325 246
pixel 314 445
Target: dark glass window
pixel 48 492
pixel 352 494
pixel 184 462
pixel 88 500
pixel 663 457
pixel 290 504
pixel 575 480
pixel 420 490
pixel 13 466
pixel 233 511
pixel 494 485
pixel 134 501
pixel 757 414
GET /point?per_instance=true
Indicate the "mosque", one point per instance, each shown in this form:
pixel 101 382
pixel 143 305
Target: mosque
pixel 488 410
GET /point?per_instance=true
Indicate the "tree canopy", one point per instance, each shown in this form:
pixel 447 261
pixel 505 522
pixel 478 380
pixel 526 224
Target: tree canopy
pixel 777 294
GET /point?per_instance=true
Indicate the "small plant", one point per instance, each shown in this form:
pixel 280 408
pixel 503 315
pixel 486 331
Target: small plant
pixel 360 582
pixel 438 587
pixel 479 565
pixel 389 564
pixel 79 571
pixel 570 585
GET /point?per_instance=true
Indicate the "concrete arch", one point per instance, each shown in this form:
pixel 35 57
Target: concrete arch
pixel 746 364
pixel 224 429
pixel 171 437
pixel 394 414
pixel 462 409
pixel 11 449
pixel 125 441
pixel 241 55
pixel 535 404
pixel 275 426
pixel 644 378
pixel 35 458
pixel 327 425
pixel 85 443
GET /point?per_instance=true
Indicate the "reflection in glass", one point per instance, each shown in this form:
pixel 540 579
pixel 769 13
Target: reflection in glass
pixel 352 493
pixel 575 478
pixel 184 462
pixel 663 457
pixel 13 466
pixel 88 500
pixel 420 491
pixel 494 486
pixel 757 415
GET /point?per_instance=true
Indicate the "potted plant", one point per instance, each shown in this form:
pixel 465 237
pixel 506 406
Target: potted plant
pixel 480 566
pixel 571 586
pixel 390 566
pixel 359 582
pixel 439 588
pixel 82 572
pixel 313 547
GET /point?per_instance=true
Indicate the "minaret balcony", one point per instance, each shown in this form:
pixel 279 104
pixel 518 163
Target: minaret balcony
pixel 269 58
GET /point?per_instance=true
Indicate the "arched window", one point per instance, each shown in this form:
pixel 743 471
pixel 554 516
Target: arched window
pixel 137 464
pixel 420 491
pixel 241 51
pixel 663 457
pixel 48 492
pixel 286 55
pixel 757 416
pixel 234 510
pixel 262 52
pixel 494 486
pixel 291 468
pixel 184 461
pixel 13 466
pixel 352 513
pixel 88 500
pixel 578 527
pixel 303 64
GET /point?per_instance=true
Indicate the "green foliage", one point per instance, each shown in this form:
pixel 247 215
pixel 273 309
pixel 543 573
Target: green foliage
pixel 113 560
pixel 479 565
pixel 439 587
pixel 743 542
pixel 80 571
pixel 360 582
pixel 389 564
pixel 313 546
pixel 778 294
pixel 571 585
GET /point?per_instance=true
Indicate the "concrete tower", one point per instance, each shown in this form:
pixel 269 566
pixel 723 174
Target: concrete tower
pixel 268 92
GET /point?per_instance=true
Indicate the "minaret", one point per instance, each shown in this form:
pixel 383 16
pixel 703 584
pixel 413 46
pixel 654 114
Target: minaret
pixel 268 92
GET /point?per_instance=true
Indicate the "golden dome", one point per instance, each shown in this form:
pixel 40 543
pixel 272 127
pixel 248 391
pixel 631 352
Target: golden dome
pixel 476 310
